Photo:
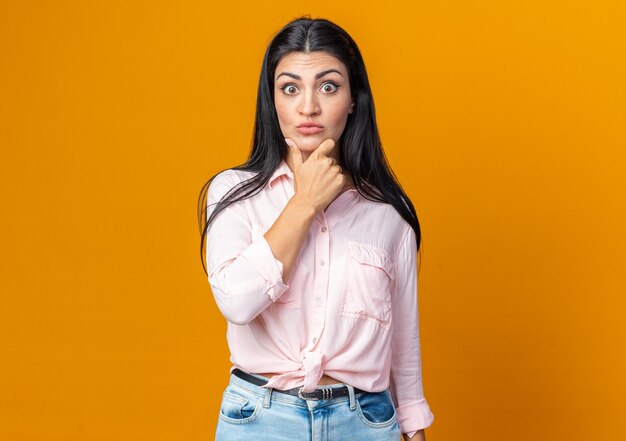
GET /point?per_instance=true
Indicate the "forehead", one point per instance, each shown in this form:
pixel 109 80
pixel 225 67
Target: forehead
pixel 308 64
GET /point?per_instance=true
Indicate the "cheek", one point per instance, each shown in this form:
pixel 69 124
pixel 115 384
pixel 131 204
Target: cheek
pixel 341 108
pixel 340 114
pixel 283 112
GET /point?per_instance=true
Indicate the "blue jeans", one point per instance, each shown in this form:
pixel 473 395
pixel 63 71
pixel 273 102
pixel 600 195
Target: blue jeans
pixel 250 412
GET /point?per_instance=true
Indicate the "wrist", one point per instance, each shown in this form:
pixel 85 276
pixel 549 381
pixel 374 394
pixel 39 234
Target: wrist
pixel 303 207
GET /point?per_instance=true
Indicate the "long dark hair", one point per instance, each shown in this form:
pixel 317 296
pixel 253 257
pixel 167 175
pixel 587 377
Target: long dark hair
pixel 361 154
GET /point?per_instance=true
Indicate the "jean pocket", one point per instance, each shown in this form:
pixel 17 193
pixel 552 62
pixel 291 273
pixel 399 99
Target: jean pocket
pixel 376 409
pixel 367 294
pixel 239 406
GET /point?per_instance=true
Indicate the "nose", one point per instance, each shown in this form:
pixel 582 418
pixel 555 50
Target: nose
pixel 308 104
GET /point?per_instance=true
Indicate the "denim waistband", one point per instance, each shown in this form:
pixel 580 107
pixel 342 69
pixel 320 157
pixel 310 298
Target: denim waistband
pixel 292 399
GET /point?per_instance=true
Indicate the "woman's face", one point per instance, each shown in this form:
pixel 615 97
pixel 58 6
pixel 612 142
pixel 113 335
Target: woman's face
pixel 301 97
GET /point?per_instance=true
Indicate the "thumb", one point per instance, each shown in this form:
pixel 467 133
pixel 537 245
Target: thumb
pixel 325 147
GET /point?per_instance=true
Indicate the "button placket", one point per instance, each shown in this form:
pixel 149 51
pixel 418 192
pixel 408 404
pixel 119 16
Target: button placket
pixel 322 250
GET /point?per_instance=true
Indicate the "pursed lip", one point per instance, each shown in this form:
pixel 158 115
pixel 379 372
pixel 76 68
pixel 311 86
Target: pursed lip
pixel 309 124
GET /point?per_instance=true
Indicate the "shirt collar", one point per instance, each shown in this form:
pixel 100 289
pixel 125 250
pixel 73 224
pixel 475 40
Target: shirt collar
pixel 282 169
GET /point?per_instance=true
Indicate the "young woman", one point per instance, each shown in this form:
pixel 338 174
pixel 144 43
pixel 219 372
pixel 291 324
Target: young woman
pixel 311 255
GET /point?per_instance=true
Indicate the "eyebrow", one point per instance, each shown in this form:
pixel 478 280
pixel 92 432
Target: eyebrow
pixel 317 76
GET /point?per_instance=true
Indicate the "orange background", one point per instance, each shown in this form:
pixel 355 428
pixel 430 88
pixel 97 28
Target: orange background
pixel 505 123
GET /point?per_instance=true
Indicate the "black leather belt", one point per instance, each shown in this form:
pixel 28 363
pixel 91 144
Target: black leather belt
pixel 321 393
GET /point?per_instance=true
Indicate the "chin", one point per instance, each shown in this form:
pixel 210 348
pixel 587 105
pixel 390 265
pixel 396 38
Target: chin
pixel 309 143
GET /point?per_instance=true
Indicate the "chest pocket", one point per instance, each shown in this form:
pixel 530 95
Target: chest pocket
pixel 367 294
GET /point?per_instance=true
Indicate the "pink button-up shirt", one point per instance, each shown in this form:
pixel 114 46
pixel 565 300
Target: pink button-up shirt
pixel 349 310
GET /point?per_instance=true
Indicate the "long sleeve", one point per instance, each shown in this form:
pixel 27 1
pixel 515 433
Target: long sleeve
pixel 406 370
pixel 244 275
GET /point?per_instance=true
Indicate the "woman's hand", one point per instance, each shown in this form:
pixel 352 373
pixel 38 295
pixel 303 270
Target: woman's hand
pixel 319 179
pixel 419 436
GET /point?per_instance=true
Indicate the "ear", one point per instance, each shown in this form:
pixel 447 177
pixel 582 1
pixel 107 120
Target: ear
pixel 351 107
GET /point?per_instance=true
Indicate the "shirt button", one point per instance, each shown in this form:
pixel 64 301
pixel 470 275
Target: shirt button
pixel 318 301
pixel 314 339
pixel 323 229
pixel 322 262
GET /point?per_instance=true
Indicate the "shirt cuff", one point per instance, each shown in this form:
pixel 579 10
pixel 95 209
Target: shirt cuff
pixel 259 255
pixel 414 416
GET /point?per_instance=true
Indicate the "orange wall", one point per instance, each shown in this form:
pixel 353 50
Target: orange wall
pixel 505 122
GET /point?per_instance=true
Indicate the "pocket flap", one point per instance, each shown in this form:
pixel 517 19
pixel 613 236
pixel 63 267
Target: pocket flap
pixel 370 255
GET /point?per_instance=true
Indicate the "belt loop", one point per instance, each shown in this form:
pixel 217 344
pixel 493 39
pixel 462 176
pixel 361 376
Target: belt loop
pixel 351 393
pixel 267 397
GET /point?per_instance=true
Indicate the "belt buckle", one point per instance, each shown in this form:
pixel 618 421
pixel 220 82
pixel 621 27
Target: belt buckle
pixel 300 395
pixel 327 393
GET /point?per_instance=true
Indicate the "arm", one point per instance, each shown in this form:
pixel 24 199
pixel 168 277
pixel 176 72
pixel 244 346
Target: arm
pixel 406 370
pixel 245 275
pixel 288 232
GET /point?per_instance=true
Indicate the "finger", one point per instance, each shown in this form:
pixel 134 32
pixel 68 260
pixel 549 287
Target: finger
pixel 325 147
pixel 332 162
pixel 295 152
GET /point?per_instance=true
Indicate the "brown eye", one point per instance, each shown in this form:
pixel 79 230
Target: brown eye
pixel 288 86
pixel 330 83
